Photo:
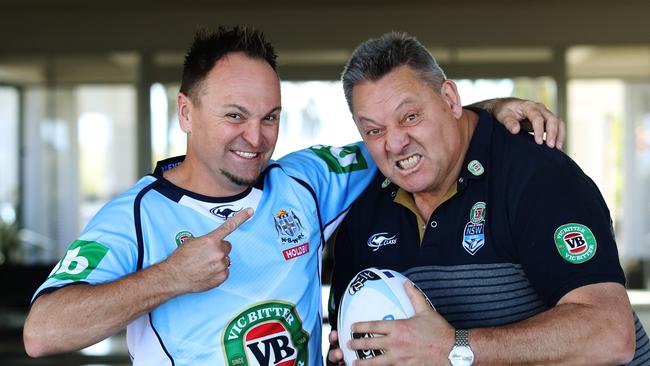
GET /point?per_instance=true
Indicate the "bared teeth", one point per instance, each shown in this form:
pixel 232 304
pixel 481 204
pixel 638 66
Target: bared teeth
pixel 409 162
pixel 246 155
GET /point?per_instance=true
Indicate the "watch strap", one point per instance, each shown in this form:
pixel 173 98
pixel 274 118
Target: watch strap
pixel 462 337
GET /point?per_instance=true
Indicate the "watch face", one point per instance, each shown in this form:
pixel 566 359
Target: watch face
pixel 461 356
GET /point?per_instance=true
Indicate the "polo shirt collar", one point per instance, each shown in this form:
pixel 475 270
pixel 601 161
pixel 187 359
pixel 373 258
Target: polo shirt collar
pixel 476 160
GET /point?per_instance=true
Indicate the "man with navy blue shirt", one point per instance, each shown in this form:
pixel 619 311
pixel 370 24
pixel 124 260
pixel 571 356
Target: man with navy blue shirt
pixel 511 242
pixel 180 260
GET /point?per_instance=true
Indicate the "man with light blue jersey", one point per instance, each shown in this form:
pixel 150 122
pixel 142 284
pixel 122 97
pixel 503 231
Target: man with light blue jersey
pixel 156 260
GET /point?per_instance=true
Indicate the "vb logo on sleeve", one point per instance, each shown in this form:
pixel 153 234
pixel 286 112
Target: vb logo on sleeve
pixel 575 242
pixel 81 259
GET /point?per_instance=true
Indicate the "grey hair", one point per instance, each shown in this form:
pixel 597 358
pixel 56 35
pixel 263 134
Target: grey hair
pixel 376 57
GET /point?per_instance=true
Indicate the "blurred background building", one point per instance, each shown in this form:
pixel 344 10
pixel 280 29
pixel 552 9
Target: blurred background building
pixel 87 103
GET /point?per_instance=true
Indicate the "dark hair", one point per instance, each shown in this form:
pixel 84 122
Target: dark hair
pixel 377 57
pixel 210 47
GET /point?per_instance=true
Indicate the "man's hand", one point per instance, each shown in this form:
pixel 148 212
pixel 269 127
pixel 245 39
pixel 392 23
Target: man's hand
pixel 335 354
pixel 518 113
pixel 515 113
pixel 202 263
pixel 424 339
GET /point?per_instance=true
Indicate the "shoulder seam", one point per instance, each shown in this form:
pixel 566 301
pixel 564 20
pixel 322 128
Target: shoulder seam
pixel 138 223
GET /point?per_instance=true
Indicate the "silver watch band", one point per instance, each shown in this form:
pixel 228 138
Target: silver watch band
pixel 462 337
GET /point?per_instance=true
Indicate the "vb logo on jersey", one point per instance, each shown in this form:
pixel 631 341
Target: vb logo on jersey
pixel 266 334
pixel 575 242
pixel 475 167
pixel 81 259
pixel 341 159
pixel 474 233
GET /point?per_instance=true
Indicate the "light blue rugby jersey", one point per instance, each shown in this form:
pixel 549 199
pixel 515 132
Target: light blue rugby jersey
pixel 268 311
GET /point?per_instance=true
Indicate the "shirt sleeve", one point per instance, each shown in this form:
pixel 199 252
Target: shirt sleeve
pixel 105 251
pixel 563 232
pixel 336 175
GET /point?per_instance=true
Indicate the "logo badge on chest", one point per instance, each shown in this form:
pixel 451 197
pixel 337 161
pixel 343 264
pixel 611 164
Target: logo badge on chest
pixel 266 334
pixel 474 233
pixel 289 227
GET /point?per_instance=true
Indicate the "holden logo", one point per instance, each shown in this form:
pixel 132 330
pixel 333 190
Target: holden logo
pixel 379 240
pixel 223 211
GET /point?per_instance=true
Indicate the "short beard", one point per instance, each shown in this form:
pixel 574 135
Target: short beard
pixel 238 180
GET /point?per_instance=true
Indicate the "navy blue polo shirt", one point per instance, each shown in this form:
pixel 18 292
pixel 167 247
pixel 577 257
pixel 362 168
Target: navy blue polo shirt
pixel 524 227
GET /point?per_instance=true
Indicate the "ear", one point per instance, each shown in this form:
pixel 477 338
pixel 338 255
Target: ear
pixel 184 106
pixel 449 93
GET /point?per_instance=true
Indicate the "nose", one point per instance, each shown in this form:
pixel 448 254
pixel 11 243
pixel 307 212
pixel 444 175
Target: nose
pixel 253 133
pixel 397 140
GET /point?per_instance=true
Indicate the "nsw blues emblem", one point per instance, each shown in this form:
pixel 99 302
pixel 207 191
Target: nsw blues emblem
pixel 474 233
pixel 288 226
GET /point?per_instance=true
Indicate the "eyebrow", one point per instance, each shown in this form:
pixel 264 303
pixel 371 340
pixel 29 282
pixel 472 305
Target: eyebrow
pixel 244 110
pixel 404 102
pixel 239 107
pixel 276 109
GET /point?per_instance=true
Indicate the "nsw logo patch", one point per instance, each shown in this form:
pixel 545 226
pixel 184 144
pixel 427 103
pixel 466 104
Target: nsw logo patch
pixel 288 226
pixel 474 233
pixel 266 334
pixel 81 259
pixel 575 243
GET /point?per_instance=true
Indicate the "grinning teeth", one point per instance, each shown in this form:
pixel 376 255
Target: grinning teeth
pixel 246 155
pixel 409 163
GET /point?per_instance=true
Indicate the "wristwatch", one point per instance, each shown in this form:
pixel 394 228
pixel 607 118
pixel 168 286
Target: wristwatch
pixel 461 354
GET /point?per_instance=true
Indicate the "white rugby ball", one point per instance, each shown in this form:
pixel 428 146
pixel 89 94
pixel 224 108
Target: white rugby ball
pixel 373 294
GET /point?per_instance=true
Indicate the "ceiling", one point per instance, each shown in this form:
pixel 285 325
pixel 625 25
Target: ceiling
pixel 329 26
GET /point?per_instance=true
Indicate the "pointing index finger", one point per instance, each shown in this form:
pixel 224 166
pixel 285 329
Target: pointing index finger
pixel 232 223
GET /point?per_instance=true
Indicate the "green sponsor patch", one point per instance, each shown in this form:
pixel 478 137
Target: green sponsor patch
pixel 575 243
pixel 477 214
pixel 341 159
pixel 81 259
pixel 475 167
pixel 269 333
pixel 181 236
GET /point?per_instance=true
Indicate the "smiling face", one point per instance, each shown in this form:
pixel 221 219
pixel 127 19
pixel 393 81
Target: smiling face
pixel 413 133
pixel 232 124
